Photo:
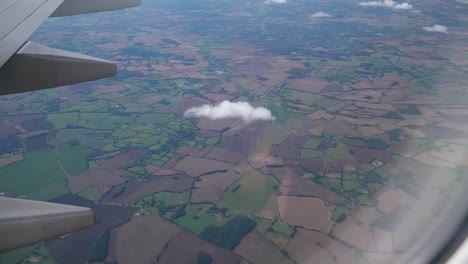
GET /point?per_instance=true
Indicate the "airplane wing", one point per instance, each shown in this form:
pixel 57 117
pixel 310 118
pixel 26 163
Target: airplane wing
pixel 27 66
pixel 24 222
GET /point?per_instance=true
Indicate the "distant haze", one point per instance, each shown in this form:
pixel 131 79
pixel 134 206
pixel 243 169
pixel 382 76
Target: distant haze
pixel 227 109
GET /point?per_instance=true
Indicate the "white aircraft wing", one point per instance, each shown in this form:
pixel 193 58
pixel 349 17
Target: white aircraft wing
pixel 26 66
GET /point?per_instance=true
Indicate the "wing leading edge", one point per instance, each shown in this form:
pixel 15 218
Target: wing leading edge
pixel 24 222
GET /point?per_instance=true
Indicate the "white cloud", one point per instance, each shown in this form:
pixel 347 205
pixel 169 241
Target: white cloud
pixel 462 1
pixel 227 109
pixel 436 28
pixel 320 15
pixel 388 4
pixel 276 1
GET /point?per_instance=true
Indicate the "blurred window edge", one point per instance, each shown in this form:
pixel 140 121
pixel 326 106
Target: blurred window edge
pixel 442 240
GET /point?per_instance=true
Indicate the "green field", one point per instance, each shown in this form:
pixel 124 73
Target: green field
pixel 166 198
pixel 90 193
pixel 197 219
pixel 312 143
pixel 100 248
pixel 73 158
pixel 62 120
pixel 254 192
pixel 38 176
pixel 340 152
pixel 339 214
pixel 283 228
pixel 230 234
pixel 21 254
pixel 283 113
pixel 17 255
pixel 87 137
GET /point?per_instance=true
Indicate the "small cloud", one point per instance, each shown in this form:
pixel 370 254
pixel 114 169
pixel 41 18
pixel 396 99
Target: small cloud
pixel 462 1
pixel 436 28
pixel 227 109
pixel 388 4
pixel 276 1
pixel 320 15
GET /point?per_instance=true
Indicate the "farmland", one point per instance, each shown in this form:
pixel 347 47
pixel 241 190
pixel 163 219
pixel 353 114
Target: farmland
pixel 368 124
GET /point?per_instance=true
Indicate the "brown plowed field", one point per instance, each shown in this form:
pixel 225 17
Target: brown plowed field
pixel 256 249
pixel 225 155
pixel 142 239
pixel 96 178
pixel 314 247
pixel 305 212
pixel 75 248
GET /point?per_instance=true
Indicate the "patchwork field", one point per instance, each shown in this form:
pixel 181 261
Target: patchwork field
pixel 363 122
pixel 147 235
pixel 307 246
pixel 305 212
pixel 40 176
pixel 185 247
pixel 252 191
pixel 129 193
pixel 76 247
pixel 194 166
pixel 256 249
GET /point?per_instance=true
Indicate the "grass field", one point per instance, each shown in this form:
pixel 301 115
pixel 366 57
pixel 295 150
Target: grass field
pixel 73 158
pixel 283 228
pixel 154 118
pixel 350 184
pixel 196 219
pixel 38 171
pixel 84 106
pixel 339 152
pixel 87 137
pixel 274 134
pixel 90 193
pixel 254 192
pixel 312 143
pixel 21 254
pixel 339 213
pixel 278 239
pixel 61 120
pixel 168 198
pixel 282 113
pixel 17 255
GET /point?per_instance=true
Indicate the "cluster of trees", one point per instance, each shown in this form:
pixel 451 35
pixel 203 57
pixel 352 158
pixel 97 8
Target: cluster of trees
pixel 393 115
pixel 376 143
pixel 411 110
pixel 236 188
pixel 203 258
pixel 229 235
pixel 394 134
pixel 216 210
pixel 176 210
pixel 100 248
pixel 122 190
